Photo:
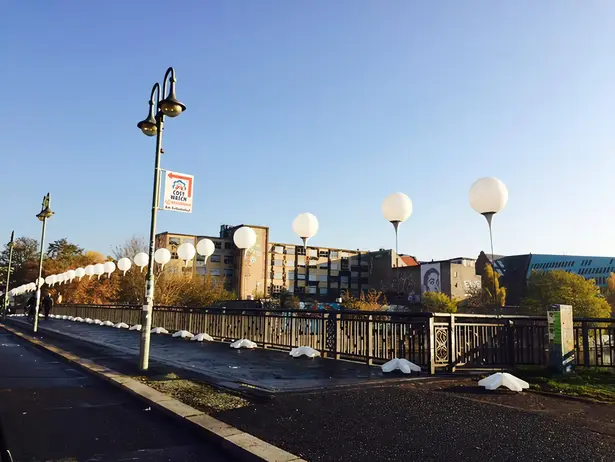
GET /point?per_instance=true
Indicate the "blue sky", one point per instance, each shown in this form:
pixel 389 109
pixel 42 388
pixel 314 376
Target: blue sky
pixel 316 106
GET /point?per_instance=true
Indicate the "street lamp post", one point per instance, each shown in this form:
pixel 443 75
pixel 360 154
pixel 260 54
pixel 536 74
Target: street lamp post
pixel 44 214
pixel 8 276
pixel 160 105
pixel 489 196
pixel 396 208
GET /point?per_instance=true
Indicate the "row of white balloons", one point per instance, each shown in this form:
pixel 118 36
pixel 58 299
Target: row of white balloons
pixel 244 238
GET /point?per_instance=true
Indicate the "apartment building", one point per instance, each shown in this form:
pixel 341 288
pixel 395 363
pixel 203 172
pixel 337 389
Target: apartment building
pixel 268 268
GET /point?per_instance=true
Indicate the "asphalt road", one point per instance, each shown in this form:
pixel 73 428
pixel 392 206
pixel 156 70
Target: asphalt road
pixel 396 423
pixel 52 411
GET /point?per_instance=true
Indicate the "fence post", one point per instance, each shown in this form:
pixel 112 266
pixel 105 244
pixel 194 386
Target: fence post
pixel 369 342
pixel 452 347
pixel 431 343
pixel 510 328
pixel 585 330
pixel 267 330
pixel 338 335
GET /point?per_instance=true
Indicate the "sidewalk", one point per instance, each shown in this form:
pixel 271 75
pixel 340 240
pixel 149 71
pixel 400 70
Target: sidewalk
pixel 51 410
pixel 267 370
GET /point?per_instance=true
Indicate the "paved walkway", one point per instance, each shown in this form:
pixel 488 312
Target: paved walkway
pixel 52 411
pixel 267 370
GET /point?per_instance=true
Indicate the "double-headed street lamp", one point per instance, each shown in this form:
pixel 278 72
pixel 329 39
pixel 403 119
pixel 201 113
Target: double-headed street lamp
pixel 159 107
pixel 5 303
pixel 44 214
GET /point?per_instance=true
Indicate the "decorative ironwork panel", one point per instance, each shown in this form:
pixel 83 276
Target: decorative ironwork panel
pixel 442 344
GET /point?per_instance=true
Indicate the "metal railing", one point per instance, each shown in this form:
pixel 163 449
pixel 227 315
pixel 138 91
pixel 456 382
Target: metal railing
pixel 431 340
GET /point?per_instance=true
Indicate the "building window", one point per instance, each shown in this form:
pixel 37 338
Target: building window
pixel 335 266
pixel 215 272
pixel 344 264
pixel 301 277
pixel 300 250
pixel 278 249
pixel 312 252
pixel 218 244
pixel 323 277
pixel 312 290
pixel 228 272
pixel 300 261
pixel 228 245
pixel 276 289
pixel 333 254
pixel 277 275
pixel 290 251
pixel 344 279
pixel 289 263
pixel 313 277
pixel 277 262
pixel 228 260
pixel 313 265
pixel 333 285
pixel 300 290
pixel 456 275
pixel 291 275
pixel 324 265
pixel 334 273
pixel 215 259
pixel 323 253
pixel 323 291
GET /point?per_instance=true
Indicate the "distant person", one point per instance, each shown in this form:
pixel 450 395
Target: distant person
pixel 59 299
pixel 30 307
pixel 47 305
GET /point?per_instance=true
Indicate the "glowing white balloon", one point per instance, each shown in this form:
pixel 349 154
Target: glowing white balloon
pixel 488 196
pixel 71 275
pixel 124 264
pixel 99 269
pixel 186 252
pixel 40 282
pixel 89 271
pixel 305 225
pixel 162 256
pixel 109 268
pixel 141 260
pixel 244 237
pixel 49 281
pixel 80 272
pixel 206 248
pixel 396 207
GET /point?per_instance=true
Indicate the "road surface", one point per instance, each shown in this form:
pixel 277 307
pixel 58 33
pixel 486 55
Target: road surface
pixel 53 411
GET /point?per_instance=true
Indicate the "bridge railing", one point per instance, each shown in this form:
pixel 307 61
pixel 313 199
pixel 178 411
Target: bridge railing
pixel 431 340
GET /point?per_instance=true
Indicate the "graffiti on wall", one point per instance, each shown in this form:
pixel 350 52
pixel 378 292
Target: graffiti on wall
pixel 430 277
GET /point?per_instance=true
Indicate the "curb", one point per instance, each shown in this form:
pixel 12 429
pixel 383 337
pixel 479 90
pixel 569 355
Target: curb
pixel 242 445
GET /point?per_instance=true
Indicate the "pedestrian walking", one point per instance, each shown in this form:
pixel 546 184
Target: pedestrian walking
pixel 47 305
pixel 30 307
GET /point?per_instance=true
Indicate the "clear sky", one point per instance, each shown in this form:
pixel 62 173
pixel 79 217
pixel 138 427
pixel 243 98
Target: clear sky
pixel 319 106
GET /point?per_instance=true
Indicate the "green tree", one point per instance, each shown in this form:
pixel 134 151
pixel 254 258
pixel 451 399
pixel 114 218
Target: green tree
pixel 61 249
pixel 610 292
pixel 25 261
pixel 437 302
pixel 483 296
pixel 546 288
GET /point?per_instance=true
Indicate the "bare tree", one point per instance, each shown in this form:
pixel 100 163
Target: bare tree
pixel 130 248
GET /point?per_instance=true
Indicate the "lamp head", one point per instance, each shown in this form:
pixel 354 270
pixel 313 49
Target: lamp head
pixel 149 126
pixel 170 106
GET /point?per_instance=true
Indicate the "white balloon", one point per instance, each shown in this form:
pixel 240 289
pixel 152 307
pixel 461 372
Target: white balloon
pixel 124 264
pixel 244 237
pixel 488 195
pixel 99 269
pixel 205 247
pixel 162 256
pixel 89 271
pixel 40 281
pixel 80 272
pixel 396 207
pixel 49 280
pixel 305 225
pixel 141 260
pixel 109 268
pixel 71 275
pixel 186 252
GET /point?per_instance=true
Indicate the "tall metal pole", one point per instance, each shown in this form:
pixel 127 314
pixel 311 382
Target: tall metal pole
pixel 8 277
pixel 148 309
pixel 489 217
pixel 40 275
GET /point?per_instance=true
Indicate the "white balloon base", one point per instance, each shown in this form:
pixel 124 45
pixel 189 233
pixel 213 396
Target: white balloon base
pixel 503 379
pixel 402 364
pixel 202 337
pixel 183 334
pixel 304 350
pixel 243 343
